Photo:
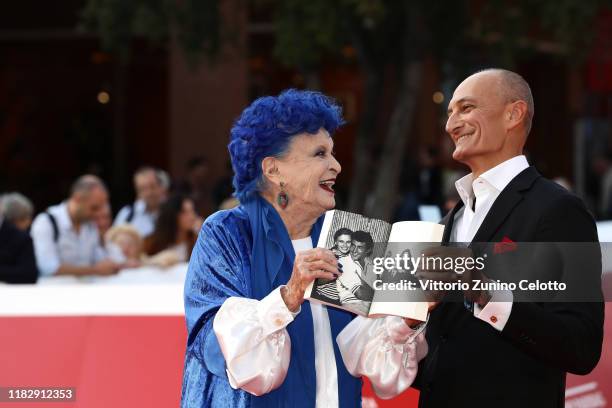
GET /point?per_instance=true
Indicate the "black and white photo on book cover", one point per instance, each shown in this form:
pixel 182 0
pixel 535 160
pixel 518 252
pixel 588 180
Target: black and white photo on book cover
pixel 357 241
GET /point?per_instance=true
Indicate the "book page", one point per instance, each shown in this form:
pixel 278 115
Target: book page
pixel 355 240
pixel 416 231
pixel 407 239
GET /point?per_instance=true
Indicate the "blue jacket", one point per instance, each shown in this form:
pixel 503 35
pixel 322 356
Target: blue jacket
pixel 221 267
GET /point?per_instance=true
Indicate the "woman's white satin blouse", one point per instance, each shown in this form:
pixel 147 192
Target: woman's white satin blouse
pixel 257 347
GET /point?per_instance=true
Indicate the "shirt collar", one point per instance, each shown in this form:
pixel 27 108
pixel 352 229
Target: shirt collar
pixel 63 217
pixel 502 174
pixel 497 177
pixel 140 206
pixel 465 189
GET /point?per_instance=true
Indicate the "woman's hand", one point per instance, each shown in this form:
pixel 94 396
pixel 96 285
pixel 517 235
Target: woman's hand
pixel 308 265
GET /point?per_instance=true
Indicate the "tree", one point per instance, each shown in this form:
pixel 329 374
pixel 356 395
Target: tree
pixel 392 39
pixel 400 35
pixel 194 24
pixel 382 33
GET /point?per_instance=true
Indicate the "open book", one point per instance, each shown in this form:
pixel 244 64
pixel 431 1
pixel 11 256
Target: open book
pixel 362 245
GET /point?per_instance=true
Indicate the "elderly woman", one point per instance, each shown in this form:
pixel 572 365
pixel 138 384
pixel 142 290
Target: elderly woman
pixel 17 209
pixel 175 232
pixel 252 341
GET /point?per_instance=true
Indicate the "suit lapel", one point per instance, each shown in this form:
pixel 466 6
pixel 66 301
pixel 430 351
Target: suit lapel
pixel 505 203
pixel 451 308
pixel 449 220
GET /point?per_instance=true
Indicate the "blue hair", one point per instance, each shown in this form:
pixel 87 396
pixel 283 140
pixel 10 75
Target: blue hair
pixel 265 128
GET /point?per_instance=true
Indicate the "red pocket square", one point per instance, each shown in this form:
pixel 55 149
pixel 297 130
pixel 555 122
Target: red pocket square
pixel 506 245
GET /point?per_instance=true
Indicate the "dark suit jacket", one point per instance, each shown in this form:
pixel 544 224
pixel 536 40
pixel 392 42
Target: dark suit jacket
pixel 17 262
pixel 470 363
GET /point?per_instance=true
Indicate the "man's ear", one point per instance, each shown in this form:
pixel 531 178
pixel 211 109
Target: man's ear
pixel 516 114
pixel 269 169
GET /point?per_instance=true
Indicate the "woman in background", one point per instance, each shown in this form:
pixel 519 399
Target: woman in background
pixel 17 209
pixel 175 232
pixel 124 245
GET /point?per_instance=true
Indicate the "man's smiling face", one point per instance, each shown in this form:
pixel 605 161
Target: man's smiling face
pixel 476 119
pixel 359 250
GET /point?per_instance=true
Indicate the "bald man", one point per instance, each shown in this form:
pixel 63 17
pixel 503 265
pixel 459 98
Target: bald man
pixel 488 349
pixel 66 239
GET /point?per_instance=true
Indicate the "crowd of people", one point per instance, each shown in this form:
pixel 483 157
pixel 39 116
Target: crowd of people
pixel 79 236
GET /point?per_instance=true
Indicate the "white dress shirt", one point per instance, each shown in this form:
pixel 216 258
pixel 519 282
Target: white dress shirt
pixel 325 358
pixel 348 283
pixel 257 347
pixel 142 220
pixel 80 248
pixel 485 189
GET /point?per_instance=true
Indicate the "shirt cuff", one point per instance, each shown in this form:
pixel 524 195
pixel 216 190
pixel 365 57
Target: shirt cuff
pixel 274 313
pixel 400 332
pixel 497 311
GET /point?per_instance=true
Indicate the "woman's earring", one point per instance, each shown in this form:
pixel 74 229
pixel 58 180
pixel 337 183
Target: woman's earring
pixel 282 199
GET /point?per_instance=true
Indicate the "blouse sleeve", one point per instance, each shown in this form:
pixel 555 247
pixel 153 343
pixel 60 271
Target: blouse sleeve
pixel 234 337
pixel 254 341
pixel 385 350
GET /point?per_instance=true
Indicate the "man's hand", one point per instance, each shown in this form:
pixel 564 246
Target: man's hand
pixel 434 270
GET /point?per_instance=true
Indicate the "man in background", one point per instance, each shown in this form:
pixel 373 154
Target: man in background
pixel 104 221
pixel 151 191
pixel 196 185
pixel 66 240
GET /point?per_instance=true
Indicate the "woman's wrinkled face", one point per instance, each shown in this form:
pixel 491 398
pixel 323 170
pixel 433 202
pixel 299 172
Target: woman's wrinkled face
pixel 309 170
pixel 343 243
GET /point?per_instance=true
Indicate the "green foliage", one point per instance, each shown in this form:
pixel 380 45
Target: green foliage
pixel 198 27
pixel 499 31
pixel 571 22
pixel 196 24
pixel 117 21
pixel 309 31
pixel 306 30
pixel 510 31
